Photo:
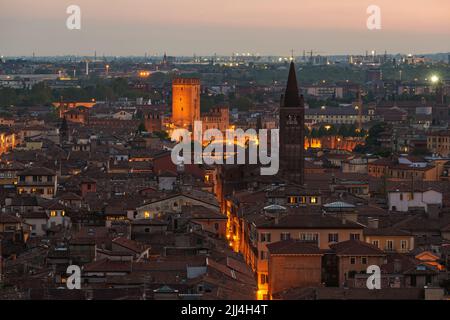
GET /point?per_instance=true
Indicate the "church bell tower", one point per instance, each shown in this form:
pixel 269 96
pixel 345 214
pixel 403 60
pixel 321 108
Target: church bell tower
pixel 292 132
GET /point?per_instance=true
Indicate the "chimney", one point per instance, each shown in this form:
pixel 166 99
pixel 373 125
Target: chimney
pixel 373 223
pixel 433 211
pixel 277 219
pixel 397 266
pixel 89 294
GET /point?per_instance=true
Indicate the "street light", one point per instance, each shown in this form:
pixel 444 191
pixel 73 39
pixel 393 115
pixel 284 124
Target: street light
pixel 434 79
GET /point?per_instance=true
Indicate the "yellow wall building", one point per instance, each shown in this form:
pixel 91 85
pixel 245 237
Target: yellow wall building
pixel 185 102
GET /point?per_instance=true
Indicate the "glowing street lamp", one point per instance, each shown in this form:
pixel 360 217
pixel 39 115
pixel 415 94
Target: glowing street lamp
pixel 434 79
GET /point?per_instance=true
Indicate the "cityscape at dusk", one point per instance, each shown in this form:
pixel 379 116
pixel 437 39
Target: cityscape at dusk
pixel 211 151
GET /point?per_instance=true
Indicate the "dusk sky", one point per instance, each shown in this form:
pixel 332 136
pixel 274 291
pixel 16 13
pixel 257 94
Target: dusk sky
pixel 182 27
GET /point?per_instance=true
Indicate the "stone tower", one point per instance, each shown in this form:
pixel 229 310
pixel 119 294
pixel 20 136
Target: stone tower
pixel 292 132
pixel 185 102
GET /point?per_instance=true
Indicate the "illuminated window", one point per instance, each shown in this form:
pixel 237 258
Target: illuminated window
pixel 313 199
pixel 63 213
pixel 52 213
pixel 264 278
pixel 147 215
pixel 292 200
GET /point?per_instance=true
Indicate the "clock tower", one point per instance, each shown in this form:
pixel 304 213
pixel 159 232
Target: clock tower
pixel 292 132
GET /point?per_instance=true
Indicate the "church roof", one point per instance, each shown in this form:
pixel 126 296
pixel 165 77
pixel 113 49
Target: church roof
pixel 291 97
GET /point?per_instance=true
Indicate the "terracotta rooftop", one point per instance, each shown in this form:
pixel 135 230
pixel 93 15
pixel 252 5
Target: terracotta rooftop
pixel 307 221
pixel 129 244
pixel 37 171
pixel 355 247
pixel 7 218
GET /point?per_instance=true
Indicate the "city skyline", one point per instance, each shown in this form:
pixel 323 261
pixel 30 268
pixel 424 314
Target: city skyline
pixel 211 152
pixel 180 29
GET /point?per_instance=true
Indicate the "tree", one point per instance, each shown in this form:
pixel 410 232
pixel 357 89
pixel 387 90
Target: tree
pixel 343 130
pixel 141 128
pixel 322 131
pixel 374 133
pixel 351 131
pixel 307 132
pixel 162 135
pixel 242 103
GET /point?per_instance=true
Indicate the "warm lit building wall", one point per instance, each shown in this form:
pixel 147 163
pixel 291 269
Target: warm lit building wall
pixel 216 118
pixel 63 107
pixel 185 101
pixel 8 142
pixel 267 236
pixel 426 174
pixel 8 176
pixel 431 173
pixel 294 270
pixel 439 143
pixel 333 142
pixel 43 185
pixel 401 244
pixel 376 170
pixel 217 227
pixel 75 116
pixel 349 265
pixel 315 143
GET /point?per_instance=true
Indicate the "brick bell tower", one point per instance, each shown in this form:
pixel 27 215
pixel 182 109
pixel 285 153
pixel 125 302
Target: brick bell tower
pixel 185 101
pixel 292 132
